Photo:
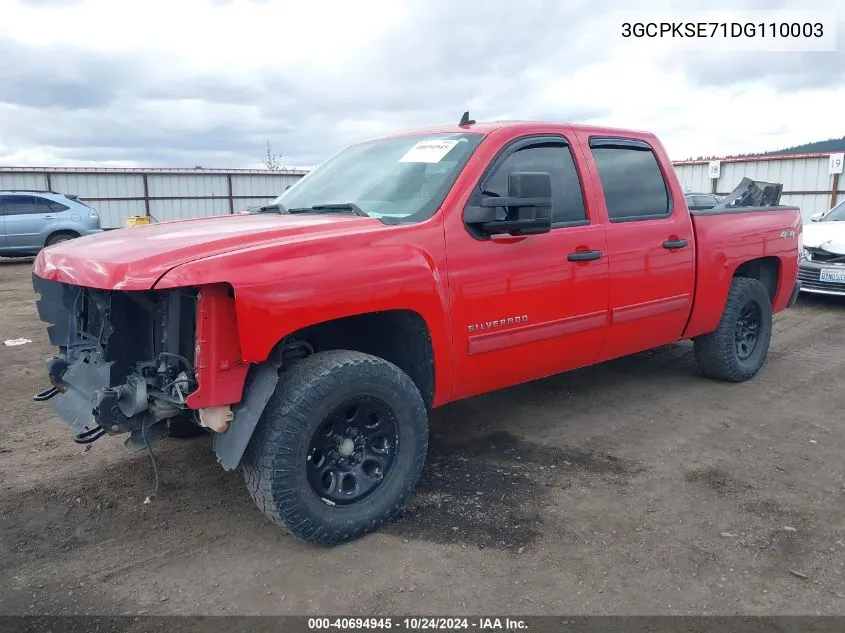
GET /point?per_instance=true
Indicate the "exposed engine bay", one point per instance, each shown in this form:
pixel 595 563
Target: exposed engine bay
pixel 125 362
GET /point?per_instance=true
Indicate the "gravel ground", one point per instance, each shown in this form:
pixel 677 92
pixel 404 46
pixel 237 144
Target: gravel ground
pixel 633 487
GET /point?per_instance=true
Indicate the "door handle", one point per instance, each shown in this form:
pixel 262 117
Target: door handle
pixel 583 256
pixel 48 217
pixel 672 244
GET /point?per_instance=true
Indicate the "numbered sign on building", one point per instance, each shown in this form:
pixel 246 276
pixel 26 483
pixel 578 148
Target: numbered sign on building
pixel 835 166
pixel 715 169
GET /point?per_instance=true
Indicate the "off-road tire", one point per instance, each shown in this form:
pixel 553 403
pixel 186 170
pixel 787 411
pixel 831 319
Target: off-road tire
pixel 274 464
pixel 717 353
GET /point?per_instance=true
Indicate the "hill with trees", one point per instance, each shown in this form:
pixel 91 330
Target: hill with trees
pixel 831 145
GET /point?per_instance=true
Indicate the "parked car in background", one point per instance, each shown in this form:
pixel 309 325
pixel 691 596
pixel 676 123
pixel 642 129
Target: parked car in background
pixel 700 201
pixel 31 220
pixel 822 269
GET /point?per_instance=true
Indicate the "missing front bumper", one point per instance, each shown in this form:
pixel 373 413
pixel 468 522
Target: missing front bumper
pixel 124 357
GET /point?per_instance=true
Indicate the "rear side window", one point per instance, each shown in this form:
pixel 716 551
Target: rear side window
pixel 78 201
pixel 55 207
pixel 633 184
pixel 30 205
pixel 22 205
pixel 554 159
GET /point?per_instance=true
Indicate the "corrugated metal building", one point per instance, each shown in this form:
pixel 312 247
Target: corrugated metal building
pixel 164 194
pixel 806 180
pixel 172 194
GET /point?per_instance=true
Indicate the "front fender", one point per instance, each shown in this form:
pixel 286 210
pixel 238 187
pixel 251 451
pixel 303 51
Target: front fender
pixel 279 290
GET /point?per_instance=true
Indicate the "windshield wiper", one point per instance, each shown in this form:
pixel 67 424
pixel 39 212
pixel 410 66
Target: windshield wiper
pixel 273 208
pixel 339 207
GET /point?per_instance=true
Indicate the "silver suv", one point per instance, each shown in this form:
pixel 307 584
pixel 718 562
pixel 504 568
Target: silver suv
pixel 31 220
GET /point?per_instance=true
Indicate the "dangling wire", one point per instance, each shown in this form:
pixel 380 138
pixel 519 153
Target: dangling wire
pixel 150 497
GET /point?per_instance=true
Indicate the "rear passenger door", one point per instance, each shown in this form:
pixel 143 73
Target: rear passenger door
pixel 26 219
pixel 650 246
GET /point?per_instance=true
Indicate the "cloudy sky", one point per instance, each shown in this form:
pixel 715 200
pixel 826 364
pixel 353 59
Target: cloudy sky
pixel 208 82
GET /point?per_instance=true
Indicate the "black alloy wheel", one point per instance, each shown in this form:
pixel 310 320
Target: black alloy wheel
pixel 352 451
pixel 339 447
pixel 748 329
pixel 738 347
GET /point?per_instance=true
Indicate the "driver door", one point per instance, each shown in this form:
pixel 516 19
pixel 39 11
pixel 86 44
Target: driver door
pixel 530 306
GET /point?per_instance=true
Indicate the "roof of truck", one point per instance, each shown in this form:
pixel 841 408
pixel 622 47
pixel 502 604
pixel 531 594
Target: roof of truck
pixel 486 127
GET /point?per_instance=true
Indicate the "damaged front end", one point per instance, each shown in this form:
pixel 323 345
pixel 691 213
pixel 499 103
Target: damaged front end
pixel 125 362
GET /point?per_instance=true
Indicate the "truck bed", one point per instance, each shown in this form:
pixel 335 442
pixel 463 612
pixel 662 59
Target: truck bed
pixel 727 236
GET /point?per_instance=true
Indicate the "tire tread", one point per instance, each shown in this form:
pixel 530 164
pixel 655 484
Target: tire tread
pixel 715 353
pixel 285 421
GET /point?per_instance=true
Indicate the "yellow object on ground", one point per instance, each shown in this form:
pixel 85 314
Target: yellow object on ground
pixel 137 220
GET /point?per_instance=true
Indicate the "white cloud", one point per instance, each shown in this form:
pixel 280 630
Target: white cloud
pixel 209 81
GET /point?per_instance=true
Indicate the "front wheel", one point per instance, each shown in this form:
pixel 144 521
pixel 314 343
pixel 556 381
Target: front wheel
pixel 339 447
pixel 738 348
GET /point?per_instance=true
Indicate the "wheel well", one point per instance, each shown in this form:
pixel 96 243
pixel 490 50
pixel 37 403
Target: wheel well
pixel 398 336
pixel 765 270
pixel 61 232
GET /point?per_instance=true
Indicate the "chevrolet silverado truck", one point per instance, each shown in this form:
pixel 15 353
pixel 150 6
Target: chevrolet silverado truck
pixel 313 338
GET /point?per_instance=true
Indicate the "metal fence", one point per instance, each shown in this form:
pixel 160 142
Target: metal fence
pixel 163 194
pixel 806 178
pixel 173 194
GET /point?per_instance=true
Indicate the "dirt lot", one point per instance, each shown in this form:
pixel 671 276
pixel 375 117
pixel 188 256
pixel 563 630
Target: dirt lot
pixel 629 488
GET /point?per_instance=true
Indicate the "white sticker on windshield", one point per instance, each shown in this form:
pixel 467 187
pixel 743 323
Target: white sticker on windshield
pixel 428 151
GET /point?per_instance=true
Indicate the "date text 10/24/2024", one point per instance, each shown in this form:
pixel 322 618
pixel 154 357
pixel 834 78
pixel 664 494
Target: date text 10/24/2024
pixel 418 623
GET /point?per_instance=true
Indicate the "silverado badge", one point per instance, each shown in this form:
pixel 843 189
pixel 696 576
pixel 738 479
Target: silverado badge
pixel 492 325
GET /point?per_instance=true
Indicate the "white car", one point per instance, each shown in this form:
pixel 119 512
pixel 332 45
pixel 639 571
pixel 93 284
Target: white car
pixel 822 269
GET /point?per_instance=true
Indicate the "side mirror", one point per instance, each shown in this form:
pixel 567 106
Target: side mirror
pixel 527 209
pixel 817 217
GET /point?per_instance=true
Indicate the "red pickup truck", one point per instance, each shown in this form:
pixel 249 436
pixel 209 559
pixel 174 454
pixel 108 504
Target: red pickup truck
pixel 404 273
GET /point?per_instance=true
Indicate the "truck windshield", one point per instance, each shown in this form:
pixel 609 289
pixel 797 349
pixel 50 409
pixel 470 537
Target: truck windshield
pixel 402 179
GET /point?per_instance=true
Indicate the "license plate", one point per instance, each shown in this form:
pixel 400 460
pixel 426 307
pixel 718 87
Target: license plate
pixel 833 275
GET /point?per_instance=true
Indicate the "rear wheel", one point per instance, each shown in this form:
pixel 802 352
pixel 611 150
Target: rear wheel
pixel 59 237
pixel 738 348
pixel 339 448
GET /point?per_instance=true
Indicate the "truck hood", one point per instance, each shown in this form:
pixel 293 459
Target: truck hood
pixel 135 258
pixel 829 236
